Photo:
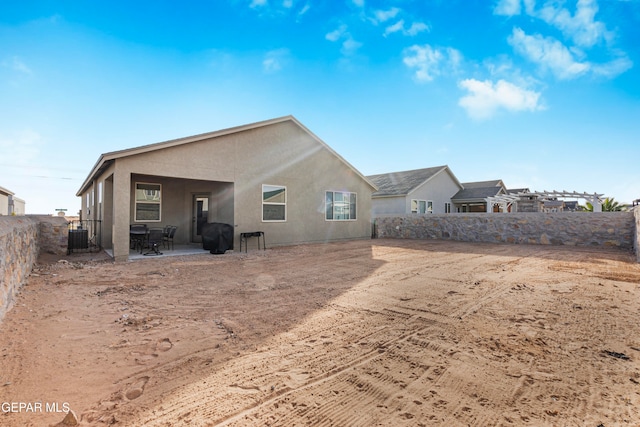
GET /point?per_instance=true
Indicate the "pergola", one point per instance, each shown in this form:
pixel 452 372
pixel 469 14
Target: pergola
pixel 505 200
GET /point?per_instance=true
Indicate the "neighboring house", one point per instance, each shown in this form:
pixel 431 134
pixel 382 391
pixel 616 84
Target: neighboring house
pixel 10 204
pixel 543 201
pixel 4 200
pixel 553 205
pixel 16 206
pixel 273 176
pixel 517 191
pixel 571 206
pixel 473 196
pixel 417 191
pixel 523 203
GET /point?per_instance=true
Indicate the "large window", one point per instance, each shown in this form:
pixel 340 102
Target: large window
pixel 274 203
pixel 340 206
pixel 421 206
pixel 148 202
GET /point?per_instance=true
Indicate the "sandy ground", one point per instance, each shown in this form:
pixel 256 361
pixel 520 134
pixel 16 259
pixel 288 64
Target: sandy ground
pixel 381 332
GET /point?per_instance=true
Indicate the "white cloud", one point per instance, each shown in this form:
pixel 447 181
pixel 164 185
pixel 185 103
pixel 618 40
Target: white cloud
pixel 271 65
pixel 514 7
pixel 385 15
pixel 398 26
pixel 612 68
pixel 501 67
pixel 16 64
pixel 359 3
pixel 582 27
pixel 507 7
pixel 257 3
pixel 415 28
pixel 548 53
pixel 336 34
pixel 274 60
pixel 304 10
pixel 429 62
pixel 349 45
pixel 485 98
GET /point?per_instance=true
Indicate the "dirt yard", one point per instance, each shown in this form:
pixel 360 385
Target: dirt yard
pixel 380 332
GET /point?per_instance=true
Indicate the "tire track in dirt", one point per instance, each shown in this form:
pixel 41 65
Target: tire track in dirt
pixel 336 363
pixel 426 333
pixel 372 385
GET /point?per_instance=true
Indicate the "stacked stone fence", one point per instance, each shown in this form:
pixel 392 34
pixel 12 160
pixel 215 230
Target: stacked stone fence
pixel 597 229
pixel 22 239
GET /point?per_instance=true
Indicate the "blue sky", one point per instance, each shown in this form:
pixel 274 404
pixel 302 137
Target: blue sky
pixel 540 94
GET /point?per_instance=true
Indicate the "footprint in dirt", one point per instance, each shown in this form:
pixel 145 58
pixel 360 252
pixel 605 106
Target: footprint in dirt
pixel 164 344
pixel 137 388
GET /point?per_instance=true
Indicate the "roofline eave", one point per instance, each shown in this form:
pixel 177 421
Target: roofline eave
pixel 113 155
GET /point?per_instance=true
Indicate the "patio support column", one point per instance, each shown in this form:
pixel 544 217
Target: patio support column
pixel 597 205
pixel 121 214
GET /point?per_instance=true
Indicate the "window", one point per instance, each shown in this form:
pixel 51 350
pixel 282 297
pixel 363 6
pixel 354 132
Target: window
pixel 340 206
pixel 421 206
pixel 148 202
pixel 274 203
pixel 447 208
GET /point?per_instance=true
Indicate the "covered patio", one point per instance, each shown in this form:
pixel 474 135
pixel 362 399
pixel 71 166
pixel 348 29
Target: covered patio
pixel 177 250
pixel 157 201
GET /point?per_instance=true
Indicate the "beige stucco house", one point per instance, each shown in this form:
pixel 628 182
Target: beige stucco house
pixel 418 191
pixel 273 176
pixel 4 200
pixel 10 204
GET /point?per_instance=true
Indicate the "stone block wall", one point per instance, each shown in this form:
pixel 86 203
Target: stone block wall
pixel 54 234
pixel 22 239
pixel 604 229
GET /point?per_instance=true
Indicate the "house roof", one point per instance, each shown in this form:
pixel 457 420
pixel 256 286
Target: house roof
pixel 479 190
pixel 553 203
pixel 404 182
pixel 107 159
pixel 483 184
pixel 6 192
pixel 517 190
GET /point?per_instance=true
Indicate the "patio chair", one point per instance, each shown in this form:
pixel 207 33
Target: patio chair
pixel 170 232
pixel 154 240
pixel 137 235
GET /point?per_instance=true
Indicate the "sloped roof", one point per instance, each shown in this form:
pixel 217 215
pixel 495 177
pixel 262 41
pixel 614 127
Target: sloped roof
pixel 479 190
pixel 5 191
pixel 476 193
pixel 108 158
pixel 403 183
pixel 517 190
pixel 483 184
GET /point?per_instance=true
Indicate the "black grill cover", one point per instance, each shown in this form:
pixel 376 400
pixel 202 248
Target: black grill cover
pixel 217 237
